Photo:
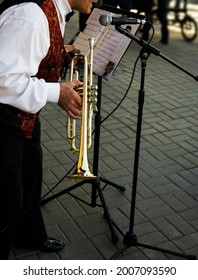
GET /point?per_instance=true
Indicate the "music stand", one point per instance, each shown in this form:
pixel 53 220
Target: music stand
pixel 130 238
pixel 96 183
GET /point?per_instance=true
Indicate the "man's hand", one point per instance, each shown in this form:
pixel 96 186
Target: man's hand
pixel 69 99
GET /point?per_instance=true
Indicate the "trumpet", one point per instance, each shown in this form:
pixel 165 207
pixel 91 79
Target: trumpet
pixel 89 99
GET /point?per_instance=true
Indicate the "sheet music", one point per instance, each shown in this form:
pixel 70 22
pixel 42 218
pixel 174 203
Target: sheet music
pixel 110 44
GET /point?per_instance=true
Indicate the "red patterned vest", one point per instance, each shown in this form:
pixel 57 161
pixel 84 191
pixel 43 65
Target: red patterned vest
pixel 50 67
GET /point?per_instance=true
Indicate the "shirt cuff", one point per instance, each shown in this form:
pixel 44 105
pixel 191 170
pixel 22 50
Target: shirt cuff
pixel 53 92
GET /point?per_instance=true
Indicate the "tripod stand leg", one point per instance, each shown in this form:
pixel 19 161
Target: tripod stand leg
pixel 118 253
pixel 106 212
pixel 44 201
pixel 165 251
pixel 121 188
pixel 185 256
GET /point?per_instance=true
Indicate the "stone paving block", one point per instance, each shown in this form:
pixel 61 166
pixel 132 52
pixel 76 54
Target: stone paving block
pixel 111 149
pixel 168 245
pixel 173 202
pixel 144 228
pixel 93 225
pixel 189 176
pixel 157 212
pixel 181 225
pixel 111 163
pixel 52 133
pixel 116 201
pixel 171 169
pixel 185 163
pixel 49 177
pixel 71 230
pixel 144 191
pixel 154 254
pixel 162 163
pixel 50 161
pixel 159 181
pixel 190 132
pixel 116 174
pixel 75 249
pixel 149 170
pixel 55 218
pixel 62 158
pixel 190 214
pixel 73 208
pixel 152 140
pixel 143 175
pixel 47 256
pixel 154 238
pixel 178 151
pixel 162 138
pixel 163 189
pixel 185 198
pixel 28 257
pixel 146 204
pixel 167 228
pixel 194 223
pixel 194 143
pixel 121 146
pixel 185 243
pixel 178 180
pixel 91 255
pixel 58 171
pixel 128 255
pixel 52 208
pixel 187 146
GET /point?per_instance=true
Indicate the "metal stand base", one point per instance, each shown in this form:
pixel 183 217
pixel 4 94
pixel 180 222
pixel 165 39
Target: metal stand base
pixel 131 241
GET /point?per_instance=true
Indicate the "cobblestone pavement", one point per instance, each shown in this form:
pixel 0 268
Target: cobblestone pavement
pixel 166 212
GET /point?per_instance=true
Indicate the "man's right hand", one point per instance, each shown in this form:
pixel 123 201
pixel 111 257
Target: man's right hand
pixel 69 99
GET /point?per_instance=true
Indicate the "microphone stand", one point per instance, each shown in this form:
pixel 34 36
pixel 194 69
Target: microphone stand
pixel 130 239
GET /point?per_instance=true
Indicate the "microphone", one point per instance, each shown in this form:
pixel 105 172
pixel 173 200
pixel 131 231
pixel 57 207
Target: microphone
pixel 106 20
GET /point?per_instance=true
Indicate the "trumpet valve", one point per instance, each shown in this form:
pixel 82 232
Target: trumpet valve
pixel 93 97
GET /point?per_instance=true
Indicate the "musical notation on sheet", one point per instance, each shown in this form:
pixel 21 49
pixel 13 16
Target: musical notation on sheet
pixel 110 45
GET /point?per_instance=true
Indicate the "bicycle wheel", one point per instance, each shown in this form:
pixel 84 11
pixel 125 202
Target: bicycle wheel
pixel 189 28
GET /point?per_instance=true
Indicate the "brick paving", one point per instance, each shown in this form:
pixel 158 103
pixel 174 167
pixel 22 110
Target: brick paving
pixel 166 213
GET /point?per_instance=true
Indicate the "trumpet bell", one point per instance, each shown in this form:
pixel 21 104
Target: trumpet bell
pixel 82 174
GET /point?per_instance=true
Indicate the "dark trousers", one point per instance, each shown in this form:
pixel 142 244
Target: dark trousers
pixel 162 15
pixel 146 6
pixel 20 189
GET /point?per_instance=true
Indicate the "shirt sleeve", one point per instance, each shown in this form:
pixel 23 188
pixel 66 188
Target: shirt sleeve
pixel 24 42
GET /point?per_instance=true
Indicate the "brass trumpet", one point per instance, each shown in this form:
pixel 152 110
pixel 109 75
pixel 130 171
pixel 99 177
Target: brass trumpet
pixel 89 98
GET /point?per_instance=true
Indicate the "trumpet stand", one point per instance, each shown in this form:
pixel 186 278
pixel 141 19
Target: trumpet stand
pixel 96 190
pixel 130 238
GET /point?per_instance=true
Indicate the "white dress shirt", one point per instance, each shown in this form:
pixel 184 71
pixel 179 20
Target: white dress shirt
pixel 24 42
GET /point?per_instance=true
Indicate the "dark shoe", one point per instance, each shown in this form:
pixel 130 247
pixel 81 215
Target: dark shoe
pixel 51 245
